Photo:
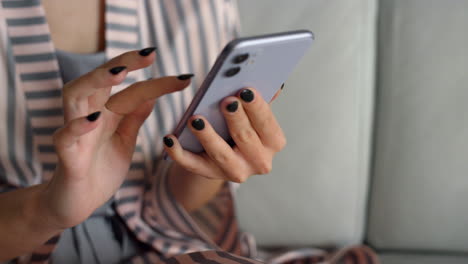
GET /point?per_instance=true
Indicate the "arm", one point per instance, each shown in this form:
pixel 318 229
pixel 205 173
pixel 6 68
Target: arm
pixel 94 152
pixel 190 190
pixel 24 221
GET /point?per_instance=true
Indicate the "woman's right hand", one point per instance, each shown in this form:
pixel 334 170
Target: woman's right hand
pixel 96 144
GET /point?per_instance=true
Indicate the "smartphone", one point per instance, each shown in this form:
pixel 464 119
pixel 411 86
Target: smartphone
pixel 262 62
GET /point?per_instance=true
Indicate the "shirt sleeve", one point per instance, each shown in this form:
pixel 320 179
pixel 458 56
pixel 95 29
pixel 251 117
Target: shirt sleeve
pixel 16 168
pixel 4 85
pixel 212 227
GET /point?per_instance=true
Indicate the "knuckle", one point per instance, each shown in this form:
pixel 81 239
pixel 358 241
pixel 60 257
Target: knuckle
pixel 220 157
pixel 244 136
pixel 69 91
pixel 264 166
pixel 281 144
pixel 56 136
pixel 267 122
pixel 237 177
pixel 71 102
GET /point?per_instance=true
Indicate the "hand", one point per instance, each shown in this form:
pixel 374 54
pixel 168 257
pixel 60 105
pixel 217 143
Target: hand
pixel 254 129
pixel 96 145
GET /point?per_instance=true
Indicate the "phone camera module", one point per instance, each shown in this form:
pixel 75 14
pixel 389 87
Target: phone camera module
pixel 231 72
pixel 240 58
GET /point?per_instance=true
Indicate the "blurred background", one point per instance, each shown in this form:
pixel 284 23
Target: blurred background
pixel 376 117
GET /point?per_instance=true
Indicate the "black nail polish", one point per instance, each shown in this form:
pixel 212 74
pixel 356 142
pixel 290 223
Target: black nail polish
pixel 147 51
pixel 117 70
pixel 232 107
pixel 198 124
pixel 184 77
pixel 168 142
pixel 231 142
pixel 93 117
pixel 282 86
pixel 247 95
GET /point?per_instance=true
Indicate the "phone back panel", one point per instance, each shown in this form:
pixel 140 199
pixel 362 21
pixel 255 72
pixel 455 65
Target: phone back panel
pixel 271 60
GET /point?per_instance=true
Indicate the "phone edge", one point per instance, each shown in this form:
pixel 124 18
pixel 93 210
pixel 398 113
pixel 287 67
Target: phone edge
pixel 214 70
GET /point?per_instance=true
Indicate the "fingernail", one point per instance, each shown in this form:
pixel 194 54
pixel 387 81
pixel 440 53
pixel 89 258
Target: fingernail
pixel 168 142
pixel 117 70
pixel 231 142
pixel 93 117
pixel 147 51
pixel 198 124
pixel 282 86
pixel 184 77
pixel 247 95
pixel 232 107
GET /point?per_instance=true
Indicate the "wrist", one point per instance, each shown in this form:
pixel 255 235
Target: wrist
pixel 190 190
pixel 178 173
pixel 36 213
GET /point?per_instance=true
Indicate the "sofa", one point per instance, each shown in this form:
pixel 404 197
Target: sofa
pixel 376 117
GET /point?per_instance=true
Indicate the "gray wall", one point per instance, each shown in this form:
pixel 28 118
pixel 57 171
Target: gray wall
pixel 317 191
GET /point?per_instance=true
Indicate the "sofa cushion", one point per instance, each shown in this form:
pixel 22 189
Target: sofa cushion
pixel 316 194
pixel 420 182
pixel 422 259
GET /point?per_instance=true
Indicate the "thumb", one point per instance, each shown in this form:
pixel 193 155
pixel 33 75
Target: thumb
pixel 130 124
pixel 69 134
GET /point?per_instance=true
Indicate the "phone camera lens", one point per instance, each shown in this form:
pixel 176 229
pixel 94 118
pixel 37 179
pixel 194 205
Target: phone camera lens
pixel 231 72
pixel 240 58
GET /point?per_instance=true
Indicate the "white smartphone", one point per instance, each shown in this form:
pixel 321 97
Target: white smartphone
pixel 261 62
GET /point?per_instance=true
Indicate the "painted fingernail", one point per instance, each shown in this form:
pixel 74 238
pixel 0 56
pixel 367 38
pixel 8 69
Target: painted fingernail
pixel 232 107
pixel 168 142
pixel 198 124
pixel 147 51
pixel 231 142
pixel 282 86
pixel 117 70
pixel 93 117
pixel 247 95
pixel 184 77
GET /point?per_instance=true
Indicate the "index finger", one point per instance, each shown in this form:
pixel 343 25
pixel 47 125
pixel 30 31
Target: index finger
pixel 95 85
pixel 127 100
pixel 109 73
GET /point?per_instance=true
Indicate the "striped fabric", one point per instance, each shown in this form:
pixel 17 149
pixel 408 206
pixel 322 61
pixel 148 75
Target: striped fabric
pixel 188 34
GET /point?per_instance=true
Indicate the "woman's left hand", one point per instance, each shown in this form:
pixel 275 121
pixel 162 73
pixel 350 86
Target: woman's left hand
pixel 252 126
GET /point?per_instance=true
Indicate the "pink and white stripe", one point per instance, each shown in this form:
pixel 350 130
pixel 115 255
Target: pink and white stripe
pixel 143 201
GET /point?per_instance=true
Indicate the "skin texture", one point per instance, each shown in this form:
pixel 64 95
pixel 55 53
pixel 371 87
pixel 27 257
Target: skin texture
pixel 192 186
pixel 69 31
pixel 94 157
pixel 258 138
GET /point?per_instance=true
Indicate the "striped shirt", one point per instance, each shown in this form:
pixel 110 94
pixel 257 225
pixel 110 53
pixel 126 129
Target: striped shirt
pixel 188 34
